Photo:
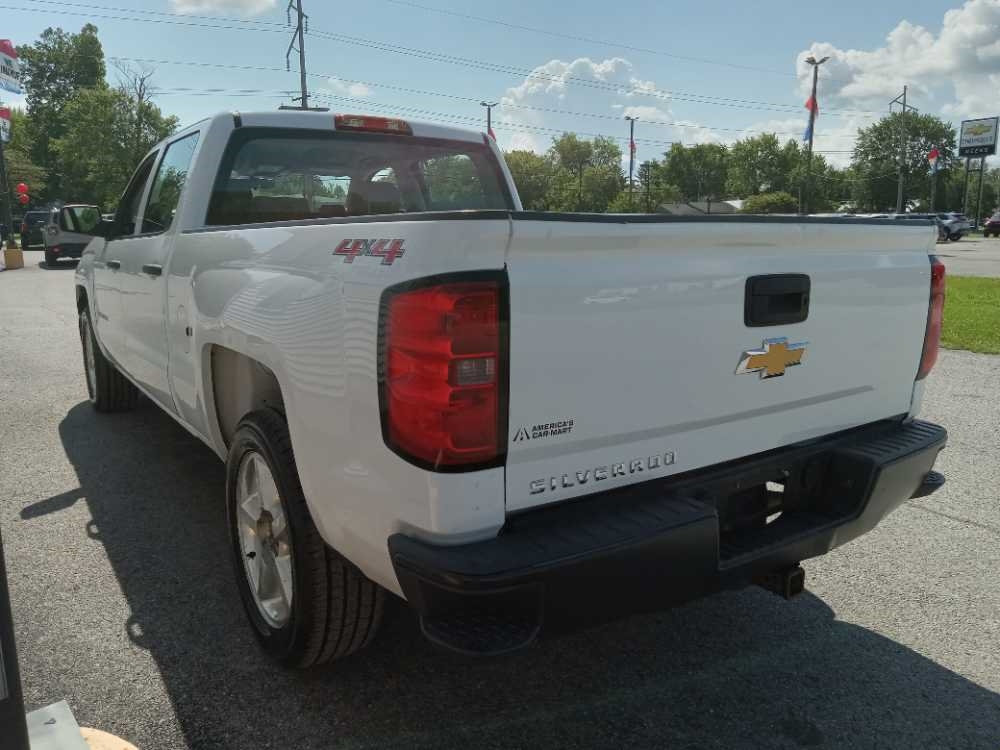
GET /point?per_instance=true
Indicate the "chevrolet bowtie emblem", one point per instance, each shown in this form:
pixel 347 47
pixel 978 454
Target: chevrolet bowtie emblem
pixel 774 356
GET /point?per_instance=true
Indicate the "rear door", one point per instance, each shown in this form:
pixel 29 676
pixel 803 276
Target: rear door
pixel 144 280
pixel 631 356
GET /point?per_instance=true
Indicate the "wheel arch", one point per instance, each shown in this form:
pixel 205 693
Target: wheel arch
pixel 237 385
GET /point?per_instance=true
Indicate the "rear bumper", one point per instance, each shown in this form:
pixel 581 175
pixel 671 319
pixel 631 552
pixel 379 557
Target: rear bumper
pixel 661 543
pixel 67 249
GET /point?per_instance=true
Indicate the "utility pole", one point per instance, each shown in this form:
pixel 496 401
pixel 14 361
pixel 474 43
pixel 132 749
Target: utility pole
pixel 901 99
pixel 301 26
pixel 965 193
pixel 489 117
pixel 7 216
pixel 813 109
pixel 631 159
pixel 979 203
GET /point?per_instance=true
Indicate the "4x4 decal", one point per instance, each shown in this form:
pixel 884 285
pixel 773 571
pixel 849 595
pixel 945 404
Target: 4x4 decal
pixel 387 250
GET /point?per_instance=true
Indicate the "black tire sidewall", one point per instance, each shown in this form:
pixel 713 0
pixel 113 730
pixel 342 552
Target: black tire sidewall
pixel 87 329
pixel 286 643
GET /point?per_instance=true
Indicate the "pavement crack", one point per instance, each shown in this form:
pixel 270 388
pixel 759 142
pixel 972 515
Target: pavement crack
pixel 984 526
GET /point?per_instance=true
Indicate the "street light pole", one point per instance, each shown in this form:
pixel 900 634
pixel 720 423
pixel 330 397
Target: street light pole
pixel 804 207
pixel 489 116
pixel 631 159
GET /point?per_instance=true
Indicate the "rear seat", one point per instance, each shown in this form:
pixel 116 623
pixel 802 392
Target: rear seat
pixel 281 208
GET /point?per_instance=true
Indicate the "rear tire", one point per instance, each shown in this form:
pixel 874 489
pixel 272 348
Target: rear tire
pixel 955 237
pixel 50 259
pixel 108 389
pixel 279 555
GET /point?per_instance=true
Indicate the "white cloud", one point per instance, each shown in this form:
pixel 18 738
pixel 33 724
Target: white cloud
pixel 243 7
pixel 592 97
pixel 955 71
pixel 352 89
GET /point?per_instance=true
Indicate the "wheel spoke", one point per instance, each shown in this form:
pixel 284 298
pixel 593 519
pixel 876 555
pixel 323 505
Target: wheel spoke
pixel 250 508
pixel 283 567
pixel 265 539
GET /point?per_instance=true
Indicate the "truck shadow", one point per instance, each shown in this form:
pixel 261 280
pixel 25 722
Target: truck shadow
pixel 739 670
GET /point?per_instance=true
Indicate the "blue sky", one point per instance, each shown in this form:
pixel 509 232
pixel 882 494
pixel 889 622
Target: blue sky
pixel 656 63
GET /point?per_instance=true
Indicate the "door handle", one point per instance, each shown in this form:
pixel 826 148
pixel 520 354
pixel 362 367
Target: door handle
pixel 114 265
pixel 776 299
pixel 153 269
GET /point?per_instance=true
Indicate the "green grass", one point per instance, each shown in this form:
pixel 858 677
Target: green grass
pixel 972 314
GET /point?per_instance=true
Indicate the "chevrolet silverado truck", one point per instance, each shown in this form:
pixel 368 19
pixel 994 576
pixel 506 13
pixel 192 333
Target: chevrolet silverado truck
pixel 519 422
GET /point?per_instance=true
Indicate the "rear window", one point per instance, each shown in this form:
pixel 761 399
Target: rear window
pixel 278 175
pixel 34 218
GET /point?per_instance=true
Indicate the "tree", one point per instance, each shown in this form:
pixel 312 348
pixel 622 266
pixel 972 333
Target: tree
pixel 697 171
pixel 572 154
pixel 771 203
pixel 17 155
pixel 877 154
pixel 53 70
pixel 95 154
pixel 532 175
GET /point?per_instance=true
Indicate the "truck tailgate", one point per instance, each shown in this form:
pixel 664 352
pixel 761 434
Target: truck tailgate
pixel 626 341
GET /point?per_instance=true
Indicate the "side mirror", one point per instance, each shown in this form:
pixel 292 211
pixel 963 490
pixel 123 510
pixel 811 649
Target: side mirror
pixel 104 228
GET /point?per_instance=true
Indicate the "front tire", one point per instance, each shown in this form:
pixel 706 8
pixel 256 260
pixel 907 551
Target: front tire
pixel 306 603
pixel 108 389
pixel 955 237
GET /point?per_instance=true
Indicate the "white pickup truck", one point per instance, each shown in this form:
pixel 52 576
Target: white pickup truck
pixel 519 422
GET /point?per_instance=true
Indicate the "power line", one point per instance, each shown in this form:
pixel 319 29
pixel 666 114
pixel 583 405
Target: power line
pixel 433 56
pixel 425 92
pixel 441 117
pixel 588 40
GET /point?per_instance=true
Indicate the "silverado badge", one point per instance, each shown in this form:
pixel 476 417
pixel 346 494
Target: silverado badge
pixel 771 360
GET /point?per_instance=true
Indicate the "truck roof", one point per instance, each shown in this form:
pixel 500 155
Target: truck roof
pixel 313 120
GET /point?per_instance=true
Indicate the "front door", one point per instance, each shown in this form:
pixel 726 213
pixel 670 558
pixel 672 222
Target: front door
pixel 108 307
pixel 144 273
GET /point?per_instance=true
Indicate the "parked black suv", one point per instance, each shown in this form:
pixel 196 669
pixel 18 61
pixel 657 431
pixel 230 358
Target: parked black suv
pixel 32 226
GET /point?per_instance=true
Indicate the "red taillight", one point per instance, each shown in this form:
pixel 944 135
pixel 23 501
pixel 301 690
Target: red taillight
pixel 372 124
pixel 55 249
pixel 443 374
pixel 932 336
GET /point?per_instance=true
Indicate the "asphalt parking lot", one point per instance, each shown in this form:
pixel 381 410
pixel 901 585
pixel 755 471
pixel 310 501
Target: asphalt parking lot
pixel 972 255
pixel 125 605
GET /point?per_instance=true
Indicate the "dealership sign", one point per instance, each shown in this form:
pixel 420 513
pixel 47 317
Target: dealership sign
pixel 10 78
pixel 4 125
pixel 978 138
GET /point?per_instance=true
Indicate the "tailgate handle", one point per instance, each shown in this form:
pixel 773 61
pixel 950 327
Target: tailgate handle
pixel 776 299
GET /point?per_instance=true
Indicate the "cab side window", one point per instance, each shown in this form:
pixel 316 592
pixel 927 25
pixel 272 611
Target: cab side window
pixel 128 207
pixel 168 184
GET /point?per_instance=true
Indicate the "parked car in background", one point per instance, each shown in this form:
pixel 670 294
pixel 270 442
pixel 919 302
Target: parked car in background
pixel 944 231
pixel 992 226
pixel 958 224
pixel 32 228
pixel 68 231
